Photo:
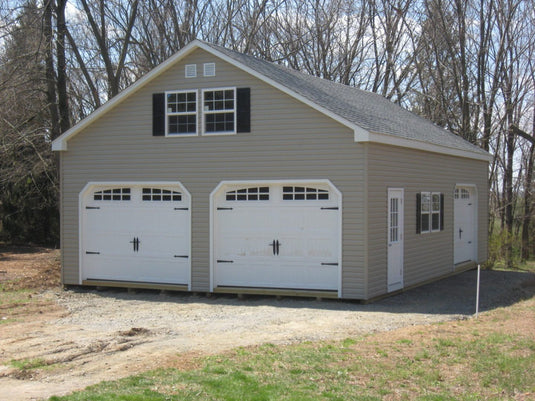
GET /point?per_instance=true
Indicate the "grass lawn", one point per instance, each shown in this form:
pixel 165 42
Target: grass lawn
pixel 489 358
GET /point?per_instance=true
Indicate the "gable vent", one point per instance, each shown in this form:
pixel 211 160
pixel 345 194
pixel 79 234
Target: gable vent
pixel 191 70
pixel 209 69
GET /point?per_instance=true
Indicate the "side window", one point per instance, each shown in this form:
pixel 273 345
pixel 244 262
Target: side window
pixel 435 212
pixel 429 212
pixel 424 212
pixel 181 113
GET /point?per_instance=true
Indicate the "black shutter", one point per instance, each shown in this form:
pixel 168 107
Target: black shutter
pixel 441 212
pixel 158 114
pixel 418 213
pixel 243 108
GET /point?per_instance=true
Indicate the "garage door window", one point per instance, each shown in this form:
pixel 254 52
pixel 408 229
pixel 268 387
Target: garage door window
pixel 114 194
pixel 158 194
pixel 304 193
pixel 248 194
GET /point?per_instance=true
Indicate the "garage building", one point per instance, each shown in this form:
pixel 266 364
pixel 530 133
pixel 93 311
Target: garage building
pixel 220 172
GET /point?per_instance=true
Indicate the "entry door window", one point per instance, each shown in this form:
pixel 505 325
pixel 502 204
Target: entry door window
pixel 395 239
pixel 394 220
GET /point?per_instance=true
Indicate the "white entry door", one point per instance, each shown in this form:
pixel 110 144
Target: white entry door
pixel 277 236
pixel 464 225
pixel 395 239
pixel 136 233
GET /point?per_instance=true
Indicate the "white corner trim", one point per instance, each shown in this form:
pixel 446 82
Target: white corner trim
pixel 421 145
pixel 361 135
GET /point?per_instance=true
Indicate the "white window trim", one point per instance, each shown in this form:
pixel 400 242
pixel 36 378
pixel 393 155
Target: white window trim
pixel 203 129
pixel 167 114
pixel 430 212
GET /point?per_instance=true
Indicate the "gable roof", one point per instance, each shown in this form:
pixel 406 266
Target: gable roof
pixel 372 117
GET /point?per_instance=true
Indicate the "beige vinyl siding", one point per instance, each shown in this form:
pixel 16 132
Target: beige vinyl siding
pixel 427 255
pixel 289 140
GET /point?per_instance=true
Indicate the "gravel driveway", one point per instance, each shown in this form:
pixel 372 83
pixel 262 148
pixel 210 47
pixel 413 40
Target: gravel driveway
pixel 111 333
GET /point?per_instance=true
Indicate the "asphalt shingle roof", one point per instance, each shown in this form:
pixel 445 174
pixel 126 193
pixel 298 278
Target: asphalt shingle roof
pixel 365 109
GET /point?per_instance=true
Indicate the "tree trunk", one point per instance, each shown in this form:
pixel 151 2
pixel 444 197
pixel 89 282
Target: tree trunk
pixel 63 101
pixel 508 192
pixel 528 202
pixel 50 75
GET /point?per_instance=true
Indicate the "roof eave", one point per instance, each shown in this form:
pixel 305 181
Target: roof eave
pixel 392 140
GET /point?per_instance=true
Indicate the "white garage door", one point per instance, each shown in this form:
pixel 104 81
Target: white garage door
pixel 136 233
pixel 464 230
pixel 277 236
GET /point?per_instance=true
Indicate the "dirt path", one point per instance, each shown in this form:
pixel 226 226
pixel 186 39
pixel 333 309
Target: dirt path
pixel 84 337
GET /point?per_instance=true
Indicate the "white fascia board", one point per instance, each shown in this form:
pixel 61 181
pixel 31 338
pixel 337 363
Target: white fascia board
pixel 60 143
pixel 421 145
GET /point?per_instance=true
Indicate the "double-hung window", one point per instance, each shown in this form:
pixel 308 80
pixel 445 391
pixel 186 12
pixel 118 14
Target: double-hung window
pixel 219 111
pixel 430 212
pixel 181 112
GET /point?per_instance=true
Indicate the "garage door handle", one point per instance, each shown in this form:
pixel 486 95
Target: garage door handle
pixel 182 256
pixel 329 208
pixel 224 261
pixel 278 244
pixel 274 245
pixel 136 243
pixel 92 253
pixel 329 264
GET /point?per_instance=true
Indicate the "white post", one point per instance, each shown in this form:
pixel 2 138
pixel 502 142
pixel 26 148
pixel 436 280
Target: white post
pixel 477 289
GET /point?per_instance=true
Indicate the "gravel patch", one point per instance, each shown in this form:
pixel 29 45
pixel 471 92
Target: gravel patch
pixel 108 334
pixel 176 314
